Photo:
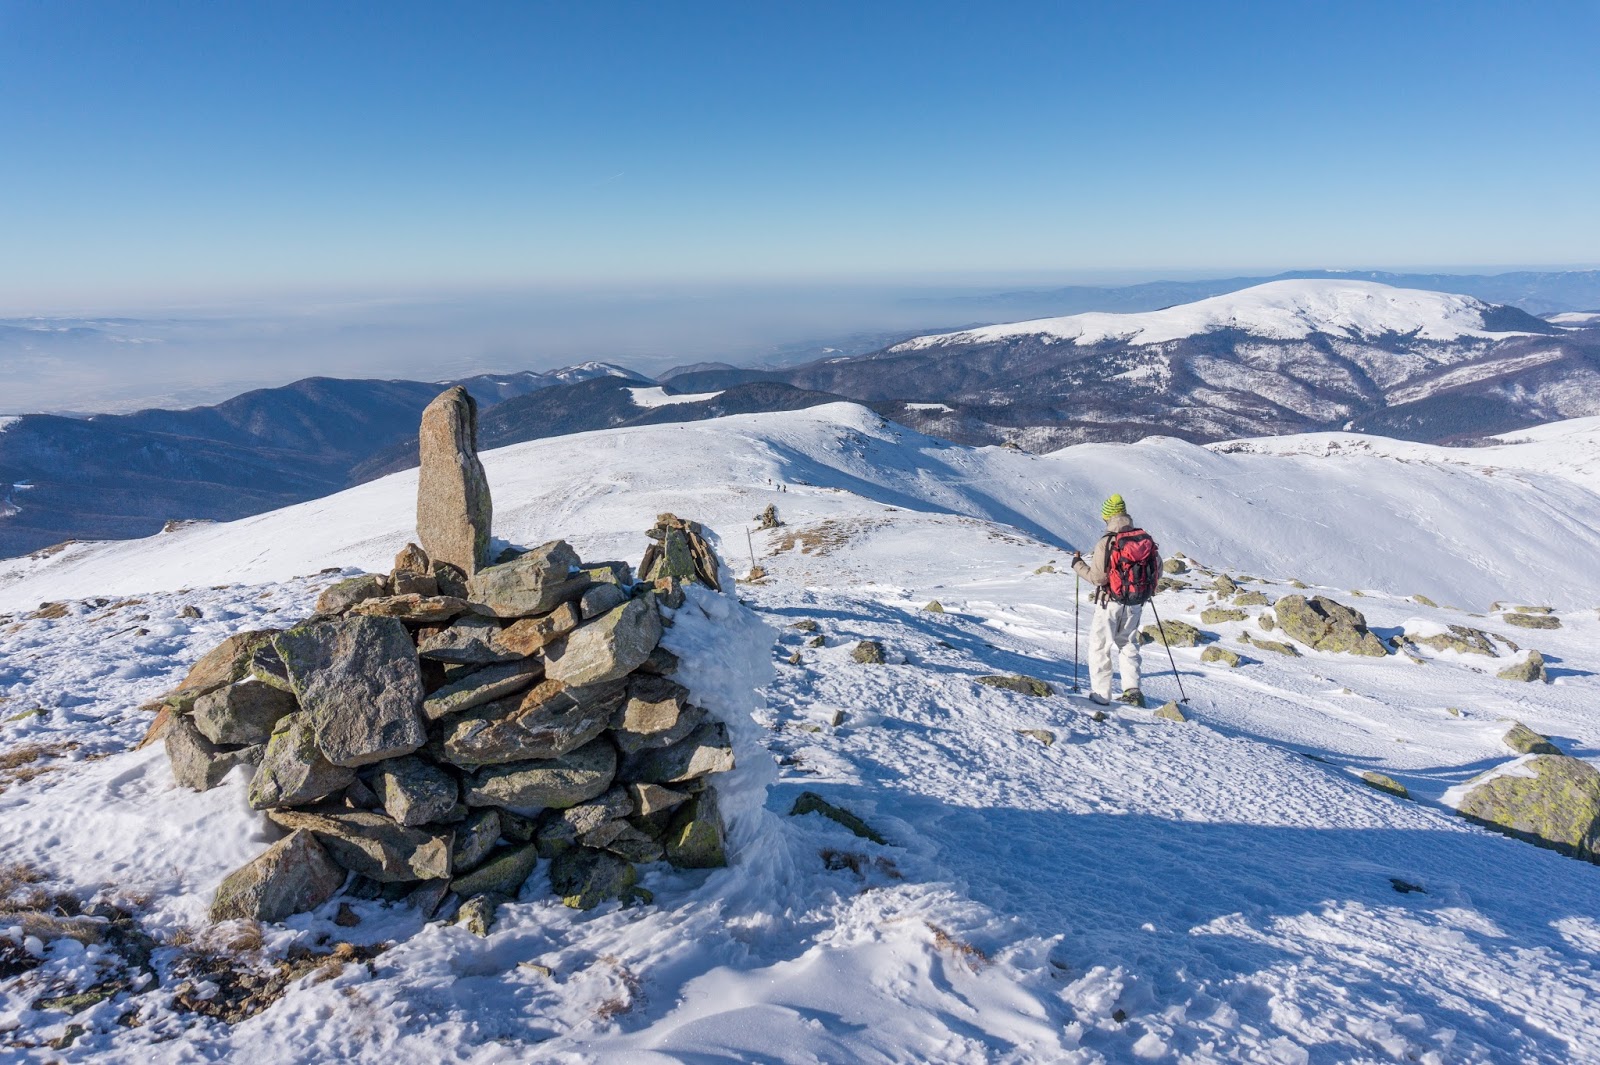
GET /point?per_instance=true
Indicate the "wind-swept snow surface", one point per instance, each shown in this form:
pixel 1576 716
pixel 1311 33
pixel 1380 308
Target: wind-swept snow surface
pixel 1281 310
pixel 1450 523
pixel 1137 890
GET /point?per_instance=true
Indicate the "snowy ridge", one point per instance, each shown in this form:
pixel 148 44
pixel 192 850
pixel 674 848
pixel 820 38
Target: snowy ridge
pixel 1135 891
pixel 1268 507
pixel 1280 310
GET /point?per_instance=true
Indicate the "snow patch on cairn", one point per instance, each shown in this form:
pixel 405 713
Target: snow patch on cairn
pixel 438 733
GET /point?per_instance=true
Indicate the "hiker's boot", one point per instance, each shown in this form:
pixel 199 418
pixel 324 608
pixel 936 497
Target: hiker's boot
pixel 1099 700
pixel 1133 697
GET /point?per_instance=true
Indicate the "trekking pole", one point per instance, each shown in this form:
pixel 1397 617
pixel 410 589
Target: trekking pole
pixel 1162 629
pixel 1077 598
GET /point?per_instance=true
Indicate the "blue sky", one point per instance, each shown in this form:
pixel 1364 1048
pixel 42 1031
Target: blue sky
pixel 173 149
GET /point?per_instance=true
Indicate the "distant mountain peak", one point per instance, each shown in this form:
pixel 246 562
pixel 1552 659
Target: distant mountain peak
pixel 1278 310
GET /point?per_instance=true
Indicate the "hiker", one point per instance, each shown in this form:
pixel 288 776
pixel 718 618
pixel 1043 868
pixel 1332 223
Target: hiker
pixel 1123 569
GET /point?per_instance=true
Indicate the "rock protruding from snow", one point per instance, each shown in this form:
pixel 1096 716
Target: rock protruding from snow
pixel 1327 625
pixel 449 753
pixel 1529 671
pixel 454 511
pixel 1549 800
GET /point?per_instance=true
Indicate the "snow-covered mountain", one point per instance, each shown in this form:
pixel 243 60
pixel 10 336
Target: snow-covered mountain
pixel 1278 310
pixel 1287 356
pixel 1226 889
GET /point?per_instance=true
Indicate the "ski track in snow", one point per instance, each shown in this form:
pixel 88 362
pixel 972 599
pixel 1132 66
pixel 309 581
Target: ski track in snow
pixel 1136 891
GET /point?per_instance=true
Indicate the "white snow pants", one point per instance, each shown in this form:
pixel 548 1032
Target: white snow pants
pixel 1114 627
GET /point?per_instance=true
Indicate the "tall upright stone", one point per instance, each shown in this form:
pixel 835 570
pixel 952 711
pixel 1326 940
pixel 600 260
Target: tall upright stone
pixel 453 507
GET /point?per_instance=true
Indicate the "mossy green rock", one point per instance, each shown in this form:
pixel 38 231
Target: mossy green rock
pixel 1172 633
pixel 1529 671
pixel 1225 584
pixel 1168 584
pixel 1267 622
pixel 1175 565
pixel 1423 600
pixel 1221 616
pixel 697 838
pixel 1275 646
pixel 1385 783
pixel 1327 625
pixel 293 771
pixel 1532 621
pixel 1171 712
pixel 810 802
pixel 1462 638
pixel 1524 740
pixel 342 595
pixel 1217 653
pixel 1041 735
pixel 502 874
pixel 1251 599
pixel 1557 806
pixel 584 877
pixel 934 607
pixel 868 653
pixel 1017 682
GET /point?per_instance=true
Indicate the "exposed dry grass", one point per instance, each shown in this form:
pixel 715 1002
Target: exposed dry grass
pixel 17 890
pixel 825 536
pixel 859 863
pixel 945 943
pixel 630 997
pixel 22 764
pixel 244 985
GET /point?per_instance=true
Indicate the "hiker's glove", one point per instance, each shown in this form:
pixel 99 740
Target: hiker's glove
pixel 1077 557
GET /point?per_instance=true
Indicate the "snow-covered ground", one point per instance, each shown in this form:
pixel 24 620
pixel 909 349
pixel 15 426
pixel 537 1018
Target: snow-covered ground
pixel 1221 890
pixel 658 397
pixel 1577 319
pixel 1283 310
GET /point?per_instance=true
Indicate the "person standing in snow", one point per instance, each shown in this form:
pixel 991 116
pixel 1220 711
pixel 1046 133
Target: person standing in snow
pixel 1123 569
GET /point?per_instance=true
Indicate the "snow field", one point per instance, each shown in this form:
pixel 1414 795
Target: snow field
pixel 1221 890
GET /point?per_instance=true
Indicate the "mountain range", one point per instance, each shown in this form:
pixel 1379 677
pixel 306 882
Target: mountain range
pixel 1287 356
pixel 115 476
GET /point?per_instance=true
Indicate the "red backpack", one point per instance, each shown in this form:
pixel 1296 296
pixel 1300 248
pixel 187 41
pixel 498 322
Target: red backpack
pixel 1131 567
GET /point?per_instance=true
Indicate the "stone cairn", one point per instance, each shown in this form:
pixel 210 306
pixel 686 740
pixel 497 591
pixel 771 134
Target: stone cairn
pixel 437 731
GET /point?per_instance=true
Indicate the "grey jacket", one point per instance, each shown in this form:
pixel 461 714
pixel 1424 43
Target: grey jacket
pixel 1093 568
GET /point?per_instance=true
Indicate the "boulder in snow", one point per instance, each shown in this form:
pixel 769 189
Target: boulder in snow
pixel 1529 671
pixel 1549 800
pixel 1327 625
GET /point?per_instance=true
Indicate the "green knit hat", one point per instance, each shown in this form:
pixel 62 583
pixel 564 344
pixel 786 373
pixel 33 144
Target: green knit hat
pixel 1113 507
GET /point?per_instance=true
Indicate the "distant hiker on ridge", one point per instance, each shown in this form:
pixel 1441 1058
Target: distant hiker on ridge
pixel 1123 568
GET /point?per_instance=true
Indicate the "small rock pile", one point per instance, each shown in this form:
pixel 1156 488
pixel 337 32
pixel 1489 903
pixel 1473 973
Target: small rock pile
pixel 437 734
